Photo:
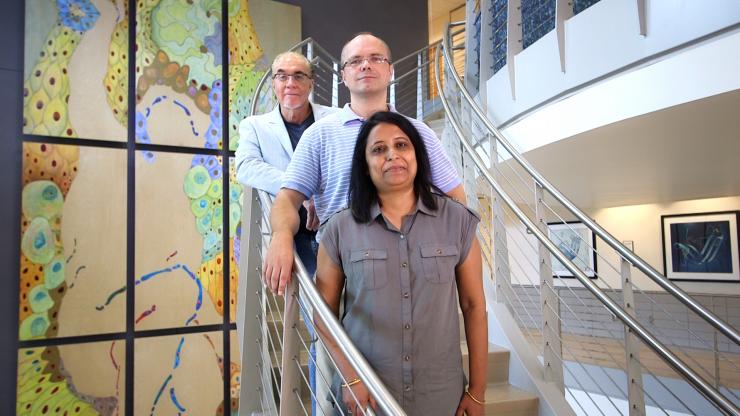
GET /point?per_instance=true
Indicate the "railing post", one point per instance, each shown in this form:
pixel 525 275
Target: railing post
pixel 500 252
pixel 309 56
pixel 250 309
pixel 392 94
pixel 290 382
pixel 335 86
pixel 635 392
pixel 551 334
pixel 419 86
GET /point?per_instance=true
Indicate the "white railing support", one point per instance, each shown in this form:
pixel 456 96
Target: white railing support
pixel 635 392
pixel 249 308
pixel 290 382
pixel 550 303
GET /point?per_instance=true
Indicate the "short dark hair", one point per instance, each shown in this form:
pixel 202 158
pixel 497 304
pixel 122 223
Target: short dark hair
pixel 362 192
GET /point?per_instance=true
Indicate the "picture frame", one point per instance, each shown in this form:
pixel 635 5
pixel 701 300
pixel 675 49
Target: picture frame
pixel 701 247
pixel 574 247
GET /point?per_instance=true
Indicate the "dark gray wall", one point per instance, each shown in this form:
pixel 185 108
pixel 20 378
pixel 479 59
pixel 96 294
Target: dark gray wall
pixel 402 24
pixel 11 80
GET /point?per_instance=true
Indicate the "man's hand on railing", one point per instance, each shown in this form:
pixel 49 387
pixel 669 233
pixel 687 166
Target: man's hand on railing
pixel 363 398
pixel 284 220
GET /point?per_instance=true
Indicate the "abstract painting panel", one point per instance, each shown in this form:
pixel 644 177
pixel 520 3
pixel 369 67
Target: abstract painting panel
pixel 179 239
pixel 79 379
pixel 180 374
pixel 76 69
pixel 73 241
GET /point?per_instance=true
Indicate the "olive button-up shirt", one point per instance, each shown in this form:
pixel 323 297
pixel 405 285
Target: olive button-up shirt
pixel 401 301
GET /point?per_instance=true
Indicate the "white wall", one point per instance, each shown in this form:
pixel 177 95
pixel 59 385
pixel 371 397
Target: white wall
pixel 605 38
pixel 641 224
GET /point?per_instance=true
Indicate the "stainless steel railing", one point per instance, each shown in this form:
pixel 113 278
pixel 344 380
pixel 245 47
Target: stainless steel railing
pixel 568 323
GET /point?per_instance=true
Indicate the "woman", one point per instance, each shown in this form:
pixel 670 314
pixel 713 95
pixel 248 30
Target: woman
pixel 403 257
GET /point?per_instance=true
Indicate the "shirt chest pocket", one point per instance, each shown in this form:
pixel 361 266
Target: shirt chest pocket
pixel 438 262
pixel 370 265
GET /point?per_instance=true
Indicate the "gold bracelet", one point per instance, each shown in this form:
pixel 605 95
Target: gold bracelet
pixel 351 382
pixel 483 402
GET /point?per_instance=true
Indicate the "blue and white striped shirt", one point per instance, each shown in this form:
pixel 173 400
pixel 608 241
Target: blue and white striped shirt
pixel 322 161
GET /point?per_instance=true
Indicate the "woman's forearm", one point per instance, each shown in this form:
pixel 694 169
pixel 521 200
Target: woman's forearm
pixel 476 334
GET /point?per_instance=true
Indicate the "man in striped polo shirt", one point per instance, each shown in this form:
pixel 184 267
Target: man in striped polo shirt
pixel 322 161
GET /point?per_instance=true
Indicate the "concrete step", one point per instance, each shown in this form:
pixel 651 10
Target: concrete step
pixel 498 363
pixel 505 399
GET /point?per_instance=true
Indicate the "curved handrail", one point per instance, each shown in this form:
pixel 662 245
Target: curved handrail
pixel 383 397
pixel 714 396
pixel 636 261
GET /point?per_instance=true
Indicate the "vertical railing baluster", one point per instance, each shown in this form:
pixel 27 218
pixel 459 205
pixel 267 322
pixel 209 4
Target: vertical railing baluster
pixel 419 85
pixel 552 346
pixel 335 85
pixel 500 250
pixel 249 306
pixel 290 382
pixel 635 392
pixel 393 89
pixel 309 56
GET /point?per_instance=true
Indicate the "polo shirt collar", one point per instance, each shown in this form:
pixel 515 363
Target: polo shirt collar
pixel 346 114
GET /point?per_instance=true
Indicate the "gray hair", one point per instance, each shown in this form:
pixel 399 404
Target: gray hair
pixel 296 55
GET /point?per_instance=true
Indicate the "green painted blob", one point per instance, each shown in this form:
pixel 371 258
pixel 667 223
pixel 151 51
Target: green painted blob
pixel 34 326
pixel 38 241
pixel 39 299
pixel 235 214
pixel 42 199
pixel 203 224
pixel 54 273
pixel 197 182
pixel 200 206
pixel 215 190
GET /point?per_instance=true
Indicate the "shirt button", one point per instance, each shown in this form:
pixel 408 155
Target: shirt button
pixel 405 295
pixel 367 254
pixel 402 236
pixel 407 326
pixel 403 265
pixel 407 388
pixel 407 357
pixel 439 251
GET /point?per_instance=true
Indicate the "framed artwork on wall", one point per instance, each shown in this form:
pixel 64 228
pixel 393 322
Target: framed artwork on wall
pixel 701 247
pixel 578 243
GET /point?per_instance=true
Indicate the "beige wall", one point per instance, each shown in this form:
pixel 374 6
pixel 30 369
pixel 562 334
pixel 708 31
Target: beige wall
pixel 642 224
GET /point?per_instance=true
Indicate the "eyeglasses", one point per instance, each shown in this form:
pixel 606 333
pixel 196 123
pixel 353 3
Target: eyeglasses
pixel 357 61
pixel 297 77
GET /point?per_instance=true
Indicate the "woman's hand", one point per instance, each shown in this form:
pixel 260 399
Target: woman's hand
pixel 468 407
pixel 363 399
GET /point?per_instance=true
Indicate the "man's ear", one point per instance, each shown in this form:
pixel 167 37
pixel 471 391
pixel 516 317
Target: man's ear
pixel 341 73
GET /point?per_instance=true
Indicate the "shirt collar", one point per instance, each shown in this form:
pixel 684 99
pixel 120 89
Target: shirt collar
pixel 375 212
pixel 346 114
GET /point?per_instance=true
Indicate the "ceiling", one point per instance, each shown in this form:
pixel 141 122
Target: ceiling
pixel 689 151
pixel 439 8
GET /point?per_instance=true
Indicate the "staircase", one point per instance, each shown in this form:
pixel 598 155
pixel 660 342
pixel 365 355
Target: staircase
pixel 564 323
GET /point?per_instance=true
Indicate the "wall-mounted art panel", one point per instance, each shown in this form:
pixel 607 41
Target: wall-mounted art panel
pixel 72 379
pixel 178 73
pixel 76 69
pixel 73 241
pixel 179 240
pixel 179 374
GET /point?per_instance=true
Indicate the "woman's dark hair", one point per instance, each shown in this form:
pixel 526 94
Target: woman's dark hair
pixel 362 191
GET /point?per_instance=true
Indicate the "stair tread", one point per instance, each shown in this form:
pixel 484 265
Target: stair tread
pixel 499 392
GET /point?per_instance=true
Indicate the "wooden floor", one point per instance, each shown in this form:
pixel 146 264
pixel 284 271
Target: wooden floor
pixel 610 353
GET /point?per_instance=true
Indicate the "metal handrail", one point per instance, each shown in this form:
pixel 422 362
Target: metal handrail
pixel 636 261
pixel 714 396
pixel 383 397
